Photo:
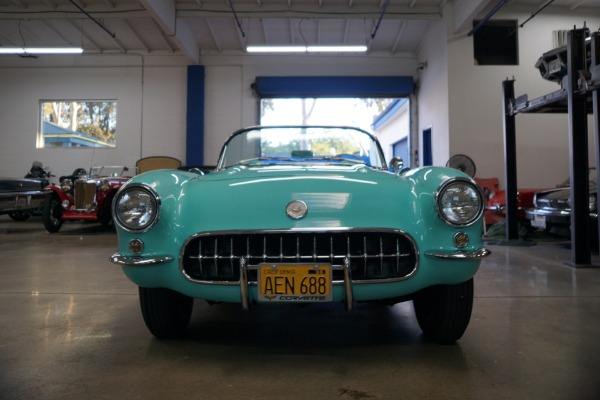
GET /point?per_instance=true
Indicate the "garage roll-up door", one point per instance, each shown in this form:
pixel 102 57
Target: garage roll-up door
pixel 333 86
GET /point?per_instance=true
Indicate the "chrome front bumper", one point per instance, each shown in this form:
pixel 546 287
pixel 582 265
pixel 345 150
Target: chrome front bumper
pixel 133 261
pixel 459 254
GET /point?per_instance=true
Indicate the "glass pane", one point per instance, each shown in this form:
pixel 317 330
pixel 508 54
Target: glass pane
pixel 78 124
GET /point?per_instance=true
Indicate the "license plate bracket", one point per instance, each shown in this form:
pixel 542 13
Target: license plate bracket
pixel 294 283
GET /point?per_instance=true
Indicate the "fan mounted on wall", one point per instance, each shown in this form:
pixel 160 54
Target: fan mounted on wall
pixel 462 163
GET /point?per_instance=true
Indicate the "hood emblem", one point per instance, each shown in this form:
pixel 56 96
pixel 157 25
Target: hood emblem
pixel 296 209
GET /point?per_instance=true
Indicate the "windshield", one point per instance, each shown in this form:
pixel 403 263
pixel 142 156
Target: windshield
pixel 301 145
pixel 108 170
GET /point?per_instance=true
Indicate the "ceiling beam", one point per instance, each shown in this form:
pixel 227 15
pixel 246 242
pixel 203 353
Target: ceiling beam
pixel 85 38
pixel 145 47
pixel 163 36
pixel 213 36
pixel 166 16
pixel 399 36
pixel 64 38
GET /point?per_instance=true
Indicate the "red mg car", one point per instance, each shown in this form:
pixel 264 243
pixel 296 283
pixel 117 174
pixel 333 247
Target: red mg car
pixel 83 196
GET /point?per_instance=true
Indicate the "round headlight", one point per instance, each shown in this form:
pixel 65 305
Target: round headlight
pixel 136 208
pixel 459 202
pixel 104 186
pixel 66 185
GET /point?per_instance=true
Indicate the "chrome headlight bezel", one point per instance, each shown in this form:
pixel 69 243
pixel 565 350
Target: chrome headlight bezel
pixel 66 186
pixel 475 193
pixel 120 210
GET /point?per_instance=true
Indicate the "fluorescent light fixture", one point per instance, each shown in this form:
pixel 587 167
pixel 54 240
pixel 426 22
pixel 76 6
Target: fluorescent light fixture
pixel 306 49
pixel 276 49
pixel 41 50
pixel 336 49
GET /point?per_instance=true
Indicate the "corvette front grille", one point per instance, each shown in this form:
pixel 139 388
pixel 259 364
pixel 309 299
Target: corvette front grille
pixel 371 254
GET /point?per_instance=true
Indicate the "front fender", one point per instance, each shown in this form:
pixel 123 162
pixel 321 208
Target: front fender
pixel 61 195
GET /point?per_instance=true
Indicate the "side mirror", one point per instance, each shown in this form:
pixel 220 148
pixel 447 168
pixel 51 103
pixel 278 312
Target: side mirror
pixel 396 164
pixel 196 171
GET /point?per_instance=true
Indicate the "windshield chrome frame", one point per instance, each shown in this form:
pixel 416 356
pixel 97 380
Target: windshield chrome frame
pixel 221 159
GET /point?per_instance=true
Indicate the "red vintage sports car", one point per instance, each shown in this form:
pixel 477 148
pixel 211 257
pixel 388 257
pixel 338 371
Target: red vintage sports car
pixel 83 196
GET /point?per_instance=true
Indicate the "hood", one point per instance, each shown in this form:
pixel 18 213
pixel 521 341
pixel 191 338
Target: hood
pixel 256 198
pixel 20 185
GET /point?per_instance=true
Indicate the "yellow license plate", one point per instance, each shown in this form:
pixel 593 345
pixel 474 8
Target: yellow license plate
pixel 294 282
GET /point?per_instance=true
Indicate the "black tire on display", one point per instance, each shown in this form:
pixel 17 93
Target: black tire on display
pixel 52 213
pixel 443 312
pixel 19 216
pixel 166 312
pixel 105 214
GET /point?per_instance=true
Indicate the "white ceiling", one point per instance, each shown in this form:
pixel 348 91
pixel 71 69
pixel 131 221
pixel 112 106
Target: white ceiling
pixel 194 27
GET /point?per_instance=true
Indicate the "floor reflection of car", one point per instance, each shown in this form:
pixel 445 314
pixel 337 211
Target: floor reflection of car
pixel 552 209
pixel 83 196
pixel 22 198
pixel 302 215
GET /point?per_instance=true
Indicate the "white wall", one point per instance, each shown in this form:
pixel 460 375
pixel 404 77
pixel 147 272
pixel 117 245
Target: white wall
pixel 432 91
pixel 151 108
pixel 475 101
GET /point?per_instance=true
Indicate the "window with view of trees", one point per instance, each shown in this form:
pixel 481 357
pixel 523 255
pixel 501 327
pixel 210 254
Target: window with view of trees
pixel 78 123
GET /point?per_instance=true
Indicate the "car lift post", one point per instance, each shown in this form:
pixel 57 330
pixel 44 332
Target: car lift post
pixel 595 64
pixel 510 161
pixel 578 150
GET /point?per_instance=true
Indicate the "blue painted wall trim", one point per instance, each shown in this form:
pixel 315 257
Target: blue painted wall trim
pixel 194 155
pixel 333 86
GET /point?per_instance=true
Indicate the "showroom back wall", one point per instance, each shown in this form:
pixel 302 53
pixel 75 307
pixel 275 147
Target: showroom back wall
pixel 150 110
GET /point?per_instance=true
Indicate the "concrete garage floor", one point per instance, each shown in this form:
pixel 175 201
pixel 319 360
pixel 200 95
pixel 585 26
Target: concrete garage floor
pixel 71 328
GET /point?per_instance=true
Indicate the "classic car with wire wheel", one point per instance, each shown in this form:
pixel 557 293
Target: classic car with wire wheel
pixel 23 198
pixel 83 196
pixel 302 214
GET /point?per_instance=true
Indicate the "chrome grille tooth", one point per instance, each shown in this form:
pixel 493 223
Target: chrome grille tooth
pixel 397 255
pixel 231 256
pixel 331 259
pixel 380 255
pixel 315 249
pixel 247 247
pixel 216 256
pixel 365 255
pixel 297 248
pixel 200 260
pixel 264 249
pixel 281 257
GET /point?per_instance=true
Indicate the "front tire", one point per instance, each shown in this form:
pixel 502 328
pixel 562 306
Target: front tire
pixel 52 213
pixel 166 312
pixel 444 311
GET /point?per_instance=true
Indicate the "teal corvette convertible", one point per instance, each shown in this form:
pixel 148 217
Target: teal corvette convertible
pixel 302 214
